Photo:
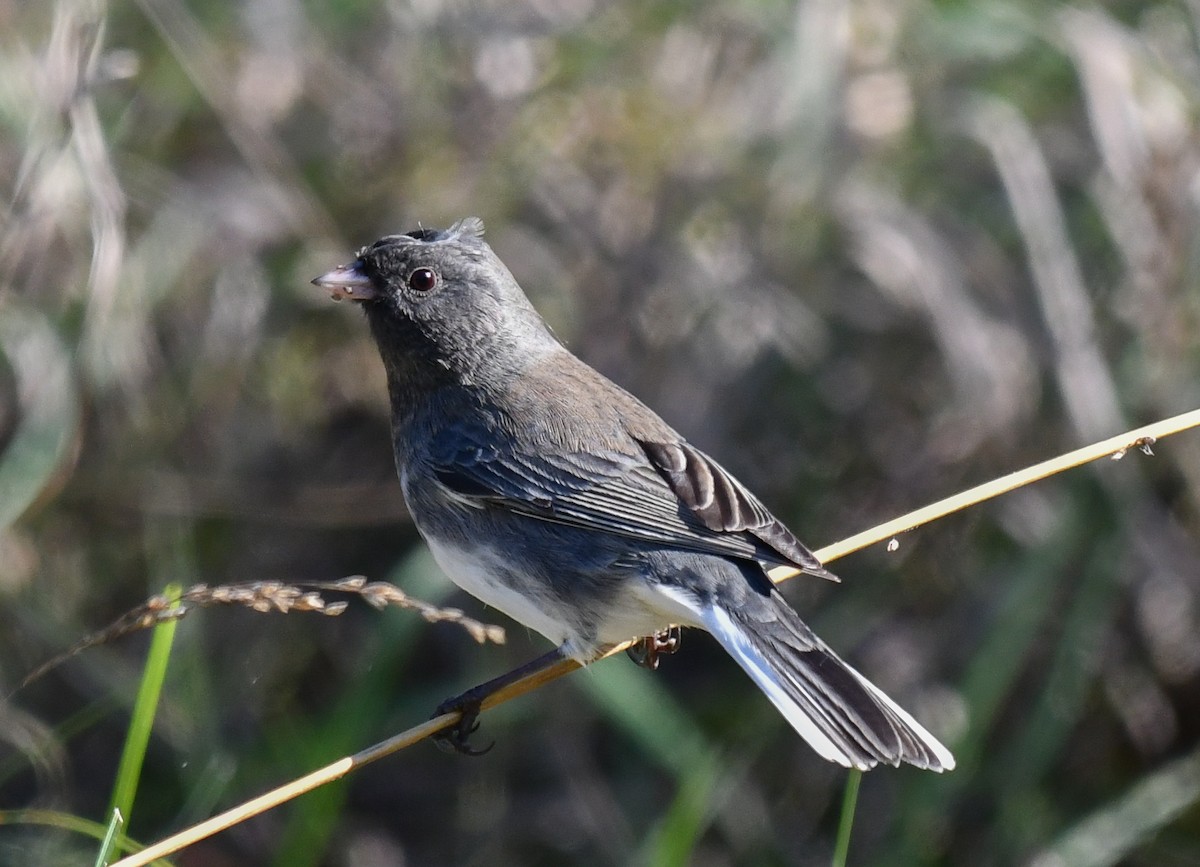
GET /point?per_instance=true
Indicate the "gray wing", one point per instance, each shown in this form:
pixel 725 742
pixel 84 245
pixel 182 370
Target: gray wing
pixel 666 494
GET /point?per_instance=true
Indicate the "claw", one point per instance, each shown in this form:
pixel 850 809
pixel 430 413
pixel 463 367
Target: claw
pixel 646 651
pixel 470 703
pixel 457 738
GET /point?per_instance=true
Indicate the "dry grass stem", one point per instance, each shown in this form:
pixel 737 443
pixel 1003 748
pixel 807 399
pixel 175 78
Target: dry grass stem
pixel 1114 447
pixel 268 597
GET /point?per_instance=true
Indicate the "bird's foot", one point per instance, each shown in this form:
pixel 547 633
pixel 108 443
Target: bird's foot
pixel 457 737
pixel 646 651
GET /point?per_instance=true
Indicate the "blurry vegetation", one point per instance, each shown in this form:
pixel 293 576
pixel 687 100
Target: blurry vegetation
pixel 865 252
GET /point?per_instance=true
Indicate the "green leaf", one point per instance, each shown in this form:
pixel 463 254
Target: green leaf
pixel 48 408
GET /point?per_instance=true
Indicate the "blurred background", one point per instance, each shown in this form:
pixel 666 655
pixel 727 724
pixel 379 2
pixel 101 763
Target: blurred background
pixel 865 252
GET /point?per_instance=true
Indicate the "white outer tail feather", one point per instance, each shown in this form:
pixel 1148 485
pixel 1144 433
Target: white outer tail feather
pixel 722 627
pixel 732 637
pixel 936 747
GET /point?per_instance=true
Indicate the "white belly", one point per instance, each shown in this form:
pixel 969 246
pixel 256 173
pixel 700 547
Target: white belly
pixel 476 572
pixel 640 608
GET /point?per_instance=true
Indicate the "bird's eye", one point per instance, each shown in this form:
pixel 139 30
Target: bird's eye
pixel 422 280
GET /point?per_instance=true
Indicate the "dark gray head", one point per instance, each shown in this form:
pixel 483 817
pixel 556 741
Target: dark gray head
pixel 443 308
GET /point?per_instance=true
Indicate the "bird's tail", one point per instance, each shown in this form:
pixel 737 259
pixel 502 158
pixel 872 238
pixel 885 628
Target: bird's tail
pixel 842 715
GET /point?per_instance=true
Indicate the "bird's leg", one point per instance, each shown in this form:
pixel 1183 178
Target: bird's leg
pixel 646 651
pixel 457 737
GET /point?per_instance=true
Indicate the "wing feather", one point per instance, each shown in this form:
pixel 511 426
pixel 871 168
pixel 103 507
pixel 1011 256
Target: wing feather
pixel 665 494
pixel 724 504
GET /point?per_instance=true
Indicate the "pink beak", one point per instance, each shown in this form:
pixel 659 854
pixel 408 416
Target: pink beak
pixel 348 281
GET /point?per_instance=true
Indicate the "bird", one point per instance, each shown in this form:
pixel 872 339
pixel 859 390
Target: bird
pixel 552 494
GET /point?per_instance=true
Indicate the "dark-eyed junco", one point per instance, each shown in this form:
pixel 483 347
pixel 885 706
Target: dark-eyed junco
pixel 554 495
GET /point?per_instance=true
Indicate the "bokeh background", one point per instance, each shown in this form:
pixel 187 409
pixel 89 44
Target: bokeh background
pixel 866 252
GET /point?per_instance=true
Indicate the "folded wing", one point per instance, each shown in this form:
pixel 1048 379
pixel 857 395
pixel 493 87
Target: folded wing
pixel 664 494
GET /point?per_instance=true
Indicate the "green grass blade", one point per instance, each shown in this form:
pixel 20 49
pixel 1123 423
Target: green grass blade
pixel 673 841
pixel 49 408
pixel 115 822
pixel 670 738
pixel 73 824
pixel 669 735
pixel 362 708
pixel 846 824
pixel 1109 835
pixel 142 720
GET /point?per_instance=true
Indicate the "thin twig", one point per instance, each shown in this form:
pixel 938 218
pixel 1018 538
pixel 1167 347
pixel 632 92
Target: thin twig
pixel 1114 447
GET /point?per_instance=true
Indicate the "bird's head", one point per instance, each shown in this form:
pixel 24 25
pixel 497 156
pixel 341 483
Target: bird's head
pixel 442 306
